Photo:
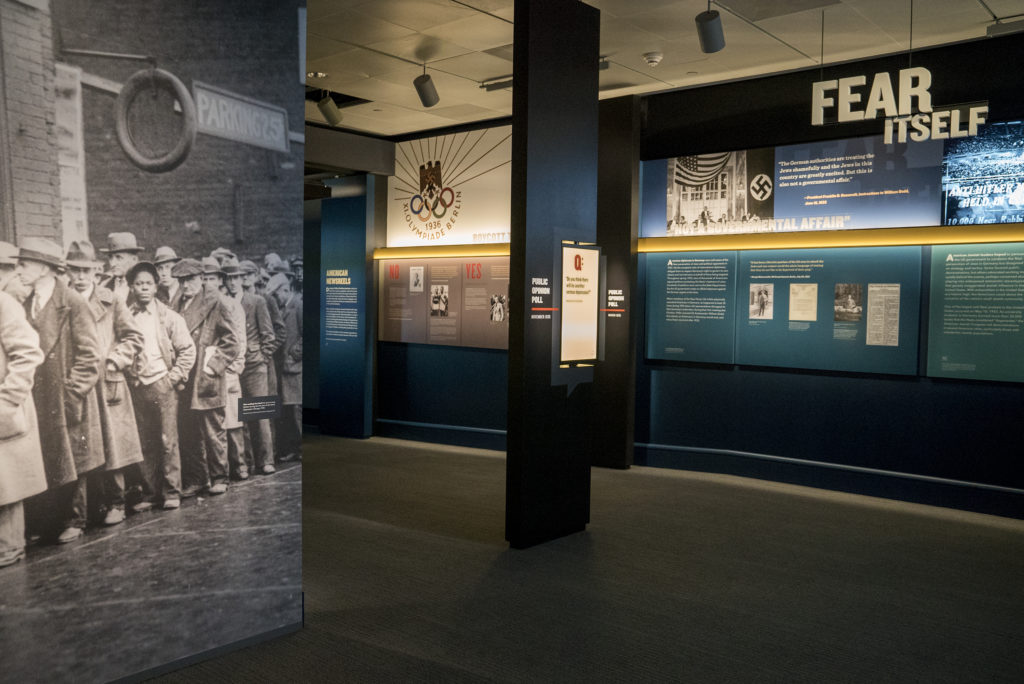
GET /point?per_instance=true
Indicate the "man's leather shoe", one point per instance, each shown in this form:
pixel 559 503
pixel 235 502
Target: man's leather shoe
pixel 70 535
pixel 171 504
pixel 269 469
pixel 190 491
pixel 11 557
pixel 142 506
pixel 114 516
pixel 218 488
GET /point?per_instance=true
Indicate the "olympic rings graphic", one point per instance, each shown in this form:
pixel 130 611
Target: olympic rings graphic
pixel 425 210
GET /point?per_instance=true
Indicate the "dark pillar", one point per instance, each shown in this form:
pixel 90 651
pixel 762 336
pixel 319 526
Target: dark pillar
pixel 617 211
pixel 346 322
pixel 554 198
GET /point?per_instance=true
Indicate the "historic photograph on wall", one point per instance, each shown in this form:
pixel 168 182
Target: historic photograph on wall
pixel 150 331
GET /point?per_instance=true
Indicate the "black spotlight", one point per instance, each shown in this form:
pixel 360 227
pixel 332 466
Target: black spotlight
pixel 709 30
pixel 425 89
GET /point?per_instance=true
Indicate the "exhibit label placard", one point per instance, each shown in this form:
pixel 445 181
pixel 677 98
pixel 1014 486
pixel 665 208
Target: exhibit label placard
pixel 691 306
pixel 976 312
pixel 345 407
pixel 830 309
pixel 581 270
pixel 460 302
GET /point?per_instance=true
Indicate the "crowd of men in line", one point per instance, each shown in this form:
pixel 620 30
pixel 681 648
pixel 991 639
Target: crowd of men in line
pixel 120 381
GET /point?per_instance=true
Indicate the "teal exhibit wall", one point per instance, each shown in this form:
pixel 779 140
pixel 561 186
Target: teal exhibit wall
pixel 346 340
pixel 926 413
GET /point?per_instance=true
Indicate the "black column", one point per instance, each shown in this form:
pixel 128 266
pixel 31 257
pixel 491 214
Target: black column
pixel 618 209
pixel 554 198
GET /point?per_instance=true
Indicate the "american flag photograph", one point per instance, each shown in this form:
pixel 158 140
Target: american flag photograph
pixel 697 169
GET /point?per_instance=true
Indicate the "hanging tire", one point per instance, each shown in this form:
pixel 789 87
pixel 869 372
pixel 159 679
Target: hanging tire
pixel 137 84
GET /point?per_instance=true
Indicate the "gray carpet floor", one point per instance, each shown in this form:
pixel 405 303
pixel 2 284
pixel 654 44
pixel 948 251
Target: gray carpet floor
pixel 680 577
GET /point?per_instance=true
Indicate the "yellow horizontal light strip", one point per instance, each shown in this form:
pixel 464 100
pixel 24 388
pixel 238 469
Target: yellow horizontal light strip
pixel 871 237
pixel 451 251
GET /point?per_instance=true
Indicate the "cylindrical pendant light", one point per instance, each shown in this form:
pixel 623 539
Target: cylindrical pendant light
pixel 425 89
pixel 709 30
pixel 330 110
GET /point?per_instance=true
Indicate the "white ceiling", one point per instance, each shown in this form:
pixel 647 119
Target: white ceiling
pixel 361 45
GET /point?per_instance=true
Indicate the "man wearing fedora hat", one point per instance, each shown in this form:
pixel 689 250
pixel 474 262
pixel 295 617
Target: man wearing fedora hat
pixel 290 424
pixel 120 341
pixel 215 280
pixel 260 345
pixel 64 391
pixel 204 457
pixel 122 252
pixel 9 283
pixel 164 260
pixel 21 458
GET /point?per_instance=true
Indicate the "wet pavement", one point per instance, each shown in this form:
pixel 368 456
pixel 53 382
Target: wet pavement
pixel 162 586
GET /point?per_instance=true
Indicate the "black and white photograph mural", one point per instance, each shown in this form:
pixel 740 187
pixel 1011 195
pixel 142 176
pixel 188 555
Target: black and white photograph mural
pixel 150 331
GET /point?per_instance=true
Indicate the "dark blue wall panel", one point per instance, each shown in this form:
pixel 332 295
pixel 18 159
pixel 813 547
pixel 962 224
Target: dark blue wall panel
pixel 435 393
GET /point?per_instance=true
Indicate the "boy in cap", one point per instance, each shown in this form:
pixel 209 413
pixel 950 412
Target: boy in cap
pixel 161 370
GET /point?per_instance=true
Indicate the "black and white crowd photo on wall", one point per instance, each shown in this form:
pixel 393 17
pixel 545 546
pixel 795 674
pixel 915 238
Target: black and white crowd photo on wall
pixel 151 280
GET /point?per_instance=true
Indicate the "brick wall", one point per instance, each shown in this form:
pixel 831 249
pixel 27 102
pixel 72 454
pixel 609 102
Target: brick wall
pixel 30 146
pixel 226 193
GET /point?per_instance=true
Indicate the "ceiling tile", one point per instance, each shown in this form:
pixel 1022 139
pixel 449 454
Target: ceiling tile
pixel 478 66
pixel 357 64
pixel 1006 8
pixel 845 31
pixel 479 32
pixel 420 48
pixel 357 28
pixel 667 22
pixel 318 47
pixel 759 10
pixel 317 9
pixel 376 90
pixel 616 76
pixel 466 112
pixel 416 14
pixel 627 8
pixel 618 36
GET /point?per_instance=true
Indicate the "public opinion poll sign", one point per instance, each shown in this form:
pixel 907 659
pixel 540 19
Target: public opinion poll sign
pixel 581 269
pixel 228 115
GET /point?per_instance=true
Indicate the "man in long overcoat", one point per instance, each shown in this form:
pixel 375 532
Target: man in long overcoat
pixel 204 456
pixel 290 434
pixel 214 280
pixel 120 341
pixel 261 343
pixel 64 391
pixel 21 458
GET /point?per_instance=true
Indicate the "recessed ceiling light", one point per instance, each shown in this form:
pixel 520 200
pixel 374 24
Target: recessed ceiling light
pixel 316 74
